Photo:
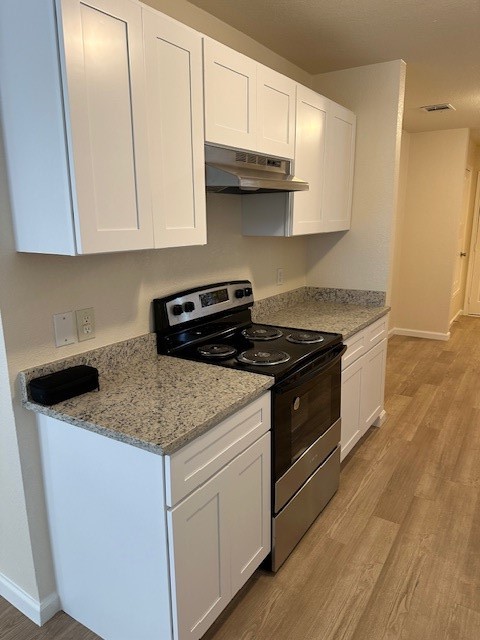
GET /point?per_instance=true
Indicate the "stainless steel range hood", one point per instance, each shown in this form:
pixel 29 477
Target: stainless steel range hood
pixel 242 172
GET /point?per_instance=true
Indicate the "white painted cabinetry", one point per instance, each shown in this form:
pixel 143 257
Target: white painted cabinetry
pixel 219 535
pixel 324 157
pixel 247 105
pixel 144 553
pixel 174 85
pixel 363 382
pixel 86 166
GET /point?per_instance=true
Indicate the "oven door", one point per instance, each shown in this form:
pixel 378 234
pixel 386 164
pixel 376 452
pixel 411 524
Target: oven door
pixel 306 422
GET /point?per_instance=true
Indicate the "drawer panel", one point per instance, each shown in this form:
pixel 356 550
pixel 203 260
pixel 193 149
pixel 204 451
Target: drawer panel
pixel 356 347
pixel 377 331
pixel 199 460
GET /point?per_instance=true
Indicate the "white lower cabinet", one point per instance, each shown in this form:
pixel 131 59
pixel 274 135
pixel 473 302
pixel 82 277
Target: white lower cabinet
pixel 218 536
pixel 363 382
pixel 139 551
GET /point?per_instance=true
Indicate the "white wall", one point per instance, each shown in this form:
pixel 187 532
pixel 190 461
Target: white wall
pixel 360 259
pixel 16 560
pixel 427 243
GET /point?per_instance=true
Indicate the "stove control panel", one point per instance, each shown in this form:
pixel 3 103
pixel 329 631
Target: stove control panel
pixel 199 303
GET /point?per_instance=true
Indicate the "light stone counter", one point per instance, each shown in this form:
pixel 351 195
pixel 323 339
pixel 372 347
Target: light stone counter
pixel 334 310
pixel 157 403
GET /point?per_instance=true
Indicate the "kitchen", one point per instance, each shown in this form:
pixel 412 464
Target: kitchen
pixel 120 287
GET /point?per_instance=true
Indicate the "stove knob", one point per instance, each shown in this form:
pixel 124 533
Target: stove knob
pixel 239 293
pixel 188 307
pixel 248 291
pixel 177 309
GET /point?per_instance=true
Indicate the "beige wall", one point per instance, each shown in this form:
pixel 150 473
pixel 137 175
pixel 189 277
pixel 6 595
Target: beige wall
pixel 400 220
pixel 360 259
pixel 427 243
pixel 120 287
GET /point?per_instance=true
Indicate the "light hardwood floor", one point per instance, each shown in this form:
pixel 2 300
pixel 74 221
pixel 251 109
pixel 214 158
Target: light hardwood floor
pixel 396 554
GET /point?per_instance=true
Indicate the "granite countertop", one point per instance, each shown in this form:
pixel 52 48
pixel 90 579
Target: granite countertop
pixel 160 403
pixel 157 403
pixel 337 311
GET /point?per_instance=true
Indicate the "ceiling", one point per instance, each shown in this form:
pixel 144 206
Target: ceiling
pixel 438 39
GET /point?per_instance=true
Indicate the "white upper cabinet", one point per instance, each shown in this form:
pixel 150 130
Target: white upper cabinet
pixel 173 63
pixel 310 148
pixel 104 123
pixel 247 105
pixel 340 151
pixel 324 157
pixel 275 113
pixel 230 96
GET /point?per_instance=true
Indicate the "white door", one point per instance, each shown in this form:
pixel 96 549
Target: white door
pixel 275 113
pixel 106 124
pixel 309 161
pixel 474 264
pixel 250 511
pixel 230 96
pixel 340 154
pixel 351 406
pixel 461 248
pixel 173 61
pixel 373 380
pixel 200 557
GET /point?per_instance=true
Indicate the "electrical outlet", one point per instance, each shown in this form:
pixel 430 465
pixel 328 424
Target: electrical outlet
pixel 64 329
pixel 85 324
pixel 280 276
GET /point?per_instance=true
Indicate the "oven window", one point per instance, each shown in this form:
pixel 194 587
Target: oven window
pixel 302 414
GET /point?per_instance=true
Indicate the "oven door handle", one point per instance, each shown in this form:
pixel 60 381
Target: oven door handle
pixel 312 372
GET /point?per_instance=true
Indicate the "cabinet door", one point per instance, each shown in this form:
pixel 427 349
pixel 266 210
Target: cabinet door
pixel 198 530
pixel 374 362
pixel 351 406
pixel 310 149
pixel 230 97
pixel 275 113
pixel 104 88
pixel 340 152
pixel 250 511
pixel 173 61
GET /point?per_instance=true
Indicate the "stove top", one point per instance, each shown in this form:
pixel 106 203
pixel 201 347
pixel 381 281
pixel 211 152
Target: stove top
pixel 221 332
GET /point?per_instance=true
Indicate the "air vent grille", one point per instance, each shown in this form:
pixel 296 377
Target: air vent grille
pixel 252 158
pixel 444 106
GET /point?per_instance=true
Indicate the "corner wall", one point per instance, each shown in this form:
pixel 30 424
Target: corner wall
pixel 428 238
pixel 360 259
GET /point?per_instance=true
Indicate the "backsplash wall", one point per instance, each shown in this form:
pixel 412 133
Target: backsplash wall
pixel 121 286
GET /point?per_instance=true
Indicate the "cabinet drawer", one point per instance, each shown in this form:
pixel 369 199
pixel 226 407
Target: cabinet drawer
pixel 377 331
pixel 192 465
pixel 361 342
pixel 356 347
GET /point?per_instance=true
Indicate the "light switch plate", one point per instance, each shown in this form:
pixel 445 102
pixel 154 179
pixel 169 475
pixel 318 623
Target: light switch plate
pixel 64 329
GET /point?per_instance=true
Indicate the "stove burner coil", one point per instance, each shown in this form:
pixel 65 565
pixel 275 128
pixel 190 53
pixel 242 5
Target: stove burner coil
pixel 305 337
pixel 262 333
pixel 216 351
pixel 258 357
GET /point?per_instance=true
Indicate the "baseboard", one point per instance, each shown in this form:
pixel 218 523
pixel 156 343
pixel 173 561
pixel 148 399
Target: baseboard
pixel 430 335
pixel 38 611
pixel 459 313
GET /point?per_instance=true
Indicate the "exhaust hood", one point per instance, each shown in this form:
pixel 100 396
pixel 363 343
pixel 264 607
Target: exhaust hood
pixel 242 172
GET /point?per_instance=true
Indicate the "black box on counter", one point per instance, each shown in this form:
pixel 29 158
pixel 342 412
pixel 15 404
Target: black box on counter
pixel 65 384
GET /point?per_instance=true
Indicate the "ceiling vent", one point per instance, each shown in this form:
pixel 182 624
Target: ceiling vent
pixel 438 107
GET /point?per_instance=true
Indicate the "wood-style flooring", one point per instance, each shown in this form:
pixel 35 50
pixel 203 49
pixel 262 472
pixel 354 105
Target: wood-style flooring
pixel 396 554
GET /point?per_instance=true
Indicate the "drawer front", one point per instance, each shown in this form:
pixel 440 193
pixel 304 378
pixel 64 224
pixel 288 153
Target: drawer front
pixel 199 460
pixel 377 331
pixel 356 347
